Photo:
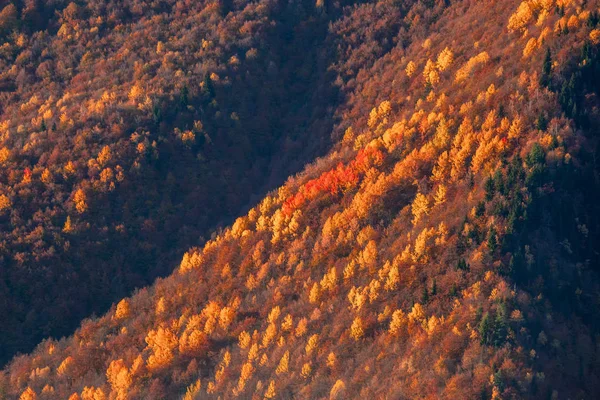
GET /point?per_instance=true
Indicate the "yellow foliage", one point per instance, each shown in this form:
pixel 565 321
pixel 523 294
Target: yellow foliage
pixel 104 156
pixel 190 261
pixel 4 155
pixel 397 322
pixel 47 176
pixel 5 202
pixel 162 342
pixel 368 256
pixel 283 366
pixel 122 310
pixel 442 135
pixel 92 393
pixel 65 366
pixel 445 59
pixel 312 344
pixel 573 22
pixel 192 390
pixel 417 314
pixel 306 370
pixel 245 374
pixel 516 128
pixel 136 93
pixel 420 207
pixel 393 279
pixel 192 341
pixel 421 244
pixel 119 378
pixel 594 38
pixel 440 195
pixel 226 317
pixel 338 390
pixel 160 306
pixel 331 360
pixel 411 68
pixel 270 393
pixel 301 328
pixel 357 330
pixel 430 73
pixel 520 18
pixel 80 200
pixel 244 339
pixel 28 394
pixel 287 323
pixel 315 294
pixel 253 352
pixel 329 280
pixel 530 47
pixel 470 66
pixel 269 335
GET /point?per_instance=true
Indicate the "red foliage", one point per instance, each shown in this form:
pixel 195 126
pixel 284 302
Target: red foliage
pixel 340 178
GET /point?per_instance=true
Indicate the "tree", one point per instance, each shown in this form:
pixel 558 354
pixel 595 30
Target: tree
pixel 485 329
pixel 411 68
pixel 208 89
pixel 119 378
pixel 5 203
pixel 357 330
pixel 270 393
pixel 521 18
pixel 28 394
pixel 162 341
pixel 445 59
pixel 492 241
pixel 283 364
pixel 123 310
pixel 8 19
pixel 420 207
pixel 462 265
pixel 490 189
pixel 80 200
pixel 440 195
pixel 546 68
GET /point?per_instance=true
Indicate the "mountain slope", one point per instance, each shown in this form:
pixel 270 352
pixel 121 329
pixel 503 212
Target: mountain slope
pixel 446 246
pixel 128 130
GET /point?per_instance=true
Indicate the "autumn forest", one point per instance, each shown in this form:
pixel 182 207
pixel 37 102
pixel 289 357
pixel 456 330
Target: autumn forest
pixel 299 199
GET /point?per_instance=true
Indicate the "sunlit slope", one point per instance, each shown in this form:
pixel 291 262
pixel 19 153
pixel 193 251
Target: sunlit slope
pixel 446 247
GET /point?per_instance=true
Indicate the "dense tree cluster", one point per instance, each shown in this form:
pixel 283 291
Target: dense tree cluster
pixel 130 129
pixel 444 248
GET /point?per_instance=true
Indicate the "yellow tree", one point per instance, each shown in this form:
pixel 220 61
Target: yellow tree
pixel 445 59
pixel 420 207
pixel 80 200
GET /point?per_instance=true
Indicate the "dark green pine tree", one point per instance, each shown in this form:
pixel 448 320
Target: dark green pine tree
pixel 485 329
pixel 184 96
pixel 492 241
pixel 546 69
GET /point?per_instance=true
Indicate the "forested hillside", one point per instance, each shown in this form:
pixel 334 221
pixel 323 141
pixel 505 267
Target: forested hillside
pixel 445 246
pixel 129 130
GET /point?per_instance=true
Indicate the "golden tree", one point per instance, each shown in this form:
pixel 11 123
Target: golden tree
pixel 445 59
pixel 283 364
pixel 420 207
pixel 5 202
pixel 122 310
pixel 357 329
pixel 119 378
pixel 411 68
pixel 521 18
pixel 162 342
pixel 270 393
pixel 80 200
pixel 28 394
